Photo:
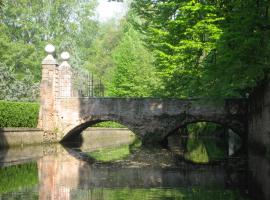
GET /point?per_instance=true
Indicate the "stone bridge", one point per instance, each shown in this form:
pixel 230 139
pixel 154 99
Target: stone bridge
pixel 63 117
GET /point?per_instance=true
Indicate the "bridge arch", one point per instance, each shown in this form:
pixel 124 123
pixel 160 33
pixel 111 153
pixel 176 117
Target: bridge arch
pixel 151 119
pixel 75 131
pixel 235 125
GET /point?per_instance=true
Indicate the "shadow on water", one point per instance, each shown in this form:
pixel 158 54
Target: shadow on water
pixel 149 173
pixel 74 141
pixel 107 169
pixel 205 144
pixel 3 146
pixel 259 175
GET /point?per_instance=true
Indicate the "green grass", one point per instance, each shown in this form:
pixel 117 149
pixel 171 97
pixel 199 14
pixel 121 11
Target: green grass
pixel 18 114
pixel 111 154
pixel 109 124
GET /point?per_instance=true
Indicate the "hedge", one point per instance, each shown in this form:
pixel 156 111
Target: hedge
pixel 18 114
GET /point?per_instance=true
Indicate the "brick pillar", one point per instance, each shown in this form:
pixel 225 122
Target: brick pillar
pixel 65 77
pixel 48 92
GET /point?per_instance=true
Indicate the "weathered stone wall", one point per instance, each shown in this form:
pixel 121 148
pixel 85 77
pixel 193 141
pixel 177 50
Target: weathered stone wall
pixel 259 176
pixel 259 118
pixel 152 119
pixel 259 141
pixel 98 138
pixel 20 136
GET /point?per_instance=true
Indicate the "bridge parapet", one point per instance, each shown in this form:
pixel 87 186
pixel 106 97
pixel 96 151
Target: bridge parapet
pixel 152 119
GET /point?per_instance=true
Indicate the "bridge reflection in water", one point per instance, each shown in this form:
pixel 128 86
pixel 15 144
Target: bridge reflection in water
pixel 83 173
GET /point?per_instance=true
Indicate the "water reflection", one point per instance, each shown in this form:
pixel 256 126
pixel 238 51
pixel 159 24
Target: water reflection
pixel 204 150
pixel 100 171
pixel 66 176
pixel 259 176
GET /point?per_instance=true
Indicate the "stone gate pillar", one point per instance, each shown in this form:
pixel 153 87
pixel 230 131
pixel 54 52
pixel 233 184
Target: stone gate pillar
pixel 65 77
pixel 48 92
pixel 67 102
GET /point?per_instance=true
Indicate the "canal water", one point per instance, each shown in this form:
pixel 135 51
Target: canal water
pixel 114 166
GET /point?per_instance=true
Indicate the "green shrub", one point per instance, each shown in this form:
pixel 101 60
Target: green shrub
pixel 18 114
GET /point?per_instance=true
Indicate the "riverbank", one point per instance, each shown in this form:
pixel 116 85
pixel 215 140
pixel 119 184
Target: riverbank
pixel 10 137
pixel 20 136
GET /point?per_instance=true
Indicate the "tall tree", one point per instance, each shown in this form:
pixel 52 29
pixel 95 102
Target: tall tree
pixel 204 47
pixel 100 60
pixel 28 25
pixel 133 73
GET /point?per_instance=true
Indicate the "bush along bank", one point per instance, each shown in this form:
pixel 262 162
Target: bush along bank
pixel 18 114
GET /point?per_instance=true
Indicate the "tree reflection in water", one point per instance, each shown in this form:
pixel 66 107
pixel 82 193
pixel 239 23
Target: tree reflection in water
pixel 125 171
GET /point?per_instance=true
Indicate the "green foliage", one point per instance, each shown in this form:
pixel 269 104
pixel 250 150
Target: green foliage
pixel 26 26
pixel 100 60
pixel 133 73
pixel 209 48
pixel 13 89
pixel 17 177
pixel 109 124
pixel 162 48
pixel 18 114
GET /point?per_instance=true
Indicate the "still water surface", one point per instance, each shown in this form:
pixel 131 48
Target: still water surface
pixel 117 167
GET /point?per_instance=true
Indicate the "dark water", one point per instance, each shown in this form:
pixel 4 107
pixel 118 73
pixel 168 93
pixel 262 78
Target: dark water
pixel 114 168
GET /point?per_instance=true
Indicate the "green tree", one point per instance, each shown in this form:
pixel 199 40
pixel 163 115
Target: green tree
pixel 27 26
pixel 100 60
pixel 242 56
pixel 207 47
pixel 133 73
pixel 13 89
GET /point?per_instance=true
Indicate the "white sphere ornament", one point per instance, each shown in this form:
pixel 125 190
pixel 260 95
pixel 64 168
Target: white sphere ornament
pixel 49 48
pixel 65 55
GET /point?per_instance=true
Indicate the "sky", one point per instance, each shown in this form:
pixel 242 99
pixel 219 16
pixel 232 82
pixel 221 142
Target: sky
pixel 108 10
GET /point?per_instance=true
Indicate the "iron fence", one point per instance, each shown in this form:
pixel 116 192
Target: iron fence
pixel 75 83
